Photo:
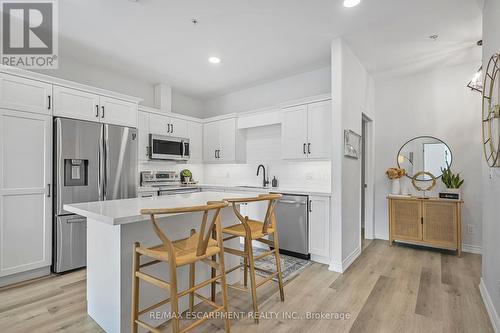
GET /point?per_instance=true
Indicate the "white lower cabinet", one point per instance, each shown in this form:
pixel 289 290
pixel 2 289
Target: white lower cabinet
pixel 319 222
pixel 25 191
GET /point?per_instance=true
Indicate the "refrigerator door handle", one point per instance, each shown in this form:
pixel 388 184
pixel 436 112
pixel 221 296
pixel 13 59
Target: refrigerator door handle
pixel 101 160
pixel 105 161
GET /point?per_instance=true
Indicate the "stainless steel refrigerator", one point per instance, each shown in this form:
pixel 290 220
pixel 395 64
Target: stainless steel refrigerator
pixel 93 162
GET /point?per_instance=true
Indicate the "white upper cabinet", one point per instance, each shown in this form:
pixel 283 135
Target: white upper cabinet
pixel 17 93
pixel 25 191
pixel 210 141
pixel 118 112
pixel 159 124
pixel 178 128
pixel 294 133
pixel 77 104
pixel 143 136
pixel 223 142
pixel 319 129
pixel 306 131
pixel 164 125
pixel 195 135
pixel 319 222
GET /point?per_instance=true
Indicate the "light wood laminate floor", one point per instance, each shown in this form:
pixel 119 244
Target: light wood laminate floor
pixel 388 289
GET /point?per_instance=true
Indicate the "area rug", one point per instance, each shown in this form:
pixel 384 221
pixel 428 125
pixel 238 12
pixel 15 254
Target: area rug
pixel 290 266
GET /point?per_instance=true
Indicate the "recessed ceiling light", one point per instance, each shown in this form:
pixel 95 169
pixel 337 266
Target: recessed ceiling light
pixel 214 60
pixel 351 3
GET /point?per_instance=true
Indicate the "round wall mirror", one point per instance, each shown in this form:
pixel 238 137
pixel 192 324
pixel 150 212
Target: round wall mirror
pixel 424 153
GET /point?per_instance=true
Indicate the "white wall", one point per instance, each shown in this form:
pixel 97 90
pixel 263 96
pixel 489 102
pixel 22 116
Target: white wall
pixel 268 94
pixel 74 70
pixel 491 178
pixel 352 94
pixel 437 104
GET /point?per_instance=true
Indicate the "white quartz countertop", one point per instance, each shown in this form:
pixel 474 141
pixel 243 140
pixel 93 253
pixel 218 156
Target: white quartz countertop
pixel 284 190
pixel 250 188
pixel 116 212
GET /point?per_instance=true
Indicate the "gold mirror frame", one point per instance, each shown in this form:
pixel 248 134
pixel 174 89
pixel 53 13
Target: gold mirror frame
pixel 414 181
pixel 491 113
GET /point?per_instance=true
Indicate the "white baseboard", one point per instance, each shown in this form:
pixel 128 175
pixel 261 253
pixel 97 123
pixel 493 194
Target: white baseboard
pixel 472 248
pixel 24 276
pixel 495 319
pixel 381 236
pixel 342 267
pixel 320 259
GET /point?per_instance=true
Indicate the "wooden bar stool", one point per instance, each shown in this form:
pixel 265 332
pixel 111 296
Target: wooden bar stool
pixel 200 246
pixel 252 230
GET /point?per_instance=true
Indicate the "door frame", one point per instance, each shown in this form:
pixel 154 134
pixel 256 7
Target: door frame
pixel 369 179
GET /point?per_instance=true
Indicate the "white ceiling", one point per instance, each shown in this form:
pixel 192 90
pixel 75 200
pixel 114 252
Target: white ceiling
pixel 258 40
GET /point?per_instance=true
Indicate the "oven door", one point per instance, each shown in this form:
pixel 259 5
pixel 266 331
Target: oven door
pixel 165 147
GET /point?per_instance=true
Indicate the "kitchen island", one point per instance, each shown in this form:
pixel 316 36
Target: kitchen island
pixel 113 227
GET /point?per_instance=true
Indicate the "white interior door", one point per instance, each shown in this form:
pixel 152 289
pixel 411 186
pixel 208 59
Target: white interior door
pixel 77 104
pixel 319 129
pixel 294 133
pixel 25 191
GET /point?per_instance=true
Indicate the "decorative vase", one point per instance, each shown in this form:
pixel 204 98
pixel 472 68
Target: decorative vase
pixel 405 190
pixel 396 186
pixel 455 191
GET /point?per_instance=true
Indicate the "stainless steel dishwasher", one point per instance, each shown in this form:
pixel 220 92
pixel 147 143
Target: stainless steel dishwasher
pixel 292 219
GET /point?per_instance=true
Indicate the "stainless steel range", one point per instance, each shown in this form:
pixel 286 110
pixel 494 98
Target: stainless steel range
pixel 167 182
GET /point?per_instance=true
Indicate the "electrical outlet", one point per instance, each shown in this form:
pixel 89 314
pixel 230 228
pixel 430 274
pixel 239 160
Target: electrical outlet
pixel 471 228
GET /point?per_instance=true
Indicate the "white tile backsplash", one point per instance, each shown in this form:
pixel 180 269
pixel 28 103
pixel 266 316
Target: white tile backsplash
pixel 196 169
pixel 263 147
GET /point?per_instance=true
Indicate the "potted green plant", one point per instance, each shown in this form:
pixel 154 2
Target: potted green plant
pixel 186 176
pixel 452 181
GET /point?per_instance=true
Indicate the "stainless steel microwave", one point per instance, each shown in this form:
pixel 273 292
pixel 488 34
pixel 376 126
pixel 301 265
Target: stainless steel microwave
pixel 163 147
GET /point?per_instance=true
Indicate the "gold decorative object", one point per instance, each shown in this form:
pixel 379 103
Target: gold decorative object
pixel 414 181
pixel 491 112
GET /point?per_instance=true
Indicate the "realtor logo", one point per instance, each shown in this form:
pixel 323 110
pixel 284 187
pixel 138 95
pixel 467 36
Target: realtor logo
pixel 29 34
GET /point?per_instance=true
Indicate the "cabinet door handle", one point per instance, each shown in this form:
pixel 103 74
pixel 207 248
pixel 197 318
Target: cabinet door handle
pixel 97 111
pixel 102 115
pixel 422 220
pixel 309 148
pixel 172 128
pixel 215 153
pixel 310 206
pixel 218 153
pixel 48 192
pixel 168 128
pixel 50 102
pixel 147 151
pixel 304 149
